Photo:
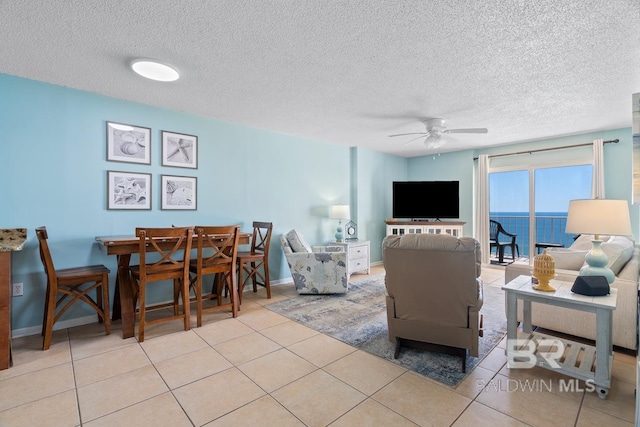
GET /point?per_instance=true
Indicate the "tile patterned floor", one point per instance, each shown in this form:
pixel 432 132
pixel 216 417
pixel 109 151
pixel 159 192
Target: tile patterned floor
pixel 263 369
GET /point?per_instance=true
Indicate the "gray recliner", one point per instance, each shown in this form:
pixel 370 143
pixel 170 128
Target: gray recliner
pixel 434 292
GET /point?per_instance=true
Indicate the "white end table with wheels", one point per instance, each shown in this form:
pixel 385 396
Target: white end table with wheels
pixel 578 358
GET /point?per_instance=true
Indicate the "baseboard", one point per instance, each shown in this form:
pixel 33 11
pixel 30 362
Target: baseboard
pixel 64 324
pixel 61 324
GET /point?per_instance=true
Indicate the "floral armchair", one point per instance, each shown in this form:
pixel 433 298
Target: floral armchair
pixel 317 270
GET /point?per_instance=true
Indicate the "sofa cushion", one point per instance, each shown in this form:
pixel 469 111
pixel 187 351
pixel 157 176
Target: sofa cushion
pixel 583 242
pixel 619 250
pixel 297 242
pixel 568 259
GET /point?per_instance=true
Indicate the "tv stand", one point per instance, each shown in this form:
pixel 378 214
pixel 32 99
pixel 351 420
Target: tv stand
pixel 399 228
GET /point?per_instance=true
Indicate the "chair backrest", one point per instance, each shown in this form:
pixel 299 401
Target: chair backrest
pixel 45 254
pixel 432 276
pixel 221 243
pixel 261 238
pixel 494 227
pixel 174 247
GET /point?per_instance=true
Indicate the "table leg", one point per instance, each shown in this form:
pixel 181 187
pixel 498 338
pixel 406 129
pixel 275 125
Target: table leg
pixel 512 318
pixel 125 290
pixel 604 350
pixel 526 316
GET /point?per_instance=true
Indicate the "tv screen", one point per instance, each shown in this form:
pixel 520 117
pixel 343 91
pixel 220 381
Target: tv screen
pixel 426 199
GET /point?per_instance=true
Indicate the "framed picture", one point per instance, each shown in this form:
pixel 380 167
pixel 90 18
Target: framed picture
pixel 127 190
pixel 179 150
pixel 127 143
pixel 179 192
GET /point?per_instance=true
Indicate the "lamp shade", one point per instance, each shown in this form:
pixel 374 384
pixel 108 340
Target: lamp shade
pixel 599 216
pixel 340 212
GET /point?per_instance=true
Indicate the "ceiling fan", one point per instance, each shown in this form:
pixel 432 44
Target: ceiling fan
pixel 435 130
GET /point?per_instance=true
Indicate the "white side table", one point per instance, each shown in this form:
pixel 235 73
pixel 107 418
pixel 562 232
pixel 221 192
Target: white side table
pixel 578 358
pixel 357 255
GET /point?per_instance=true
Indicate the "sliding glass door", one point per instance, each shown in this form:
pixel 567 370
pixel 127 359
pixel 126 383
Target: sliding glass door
pixel 532 203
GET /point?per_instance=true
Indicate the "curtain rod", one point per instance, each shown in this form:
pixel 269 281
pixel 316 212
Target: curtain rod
pixel 614 141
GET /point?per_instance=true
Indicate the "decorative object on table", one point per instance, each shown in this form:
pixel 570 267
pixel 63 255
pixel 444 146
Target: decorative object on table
pixel 598 217
pixel 544 270
pixel 359 318
pixel 127 190
pixel 592 286
pixel 351 229
pixel 127 143
pixel 179 192
pixel 180 150
pixel 340 212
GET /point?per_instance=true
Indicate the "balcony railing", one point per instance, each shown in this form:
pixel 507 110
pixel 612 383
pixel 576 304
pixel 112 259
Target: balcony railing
pixel 549 229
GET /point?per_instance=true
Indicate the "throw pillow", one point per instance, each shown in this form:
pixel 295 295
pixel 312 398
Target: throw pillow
pixel 568 259
pixel 297 242
pixel 619 250
pixel 583 242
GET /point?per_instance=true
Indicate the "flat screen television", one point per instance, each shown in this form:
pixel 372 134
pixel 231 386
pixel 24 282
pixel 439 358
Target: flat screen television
pixel 426 200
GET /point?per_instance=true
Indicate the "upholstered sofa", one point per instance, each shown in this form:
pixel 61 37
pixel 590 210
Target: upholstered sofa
pixel 317 270
pixel 624 259
pixel 434 290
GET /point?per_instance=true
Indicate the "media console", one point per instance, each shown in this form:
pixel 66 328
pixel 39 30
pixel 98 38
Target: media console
pixel 453 228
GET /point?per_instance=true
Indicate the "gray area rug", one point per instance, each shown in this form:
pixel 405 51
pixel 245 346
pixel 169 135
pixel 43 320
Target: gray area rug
pixel 359 318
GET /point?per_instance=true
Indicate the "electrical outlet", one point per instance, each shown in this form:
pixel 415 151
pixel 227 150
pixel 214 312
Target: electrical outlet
pixel 17 289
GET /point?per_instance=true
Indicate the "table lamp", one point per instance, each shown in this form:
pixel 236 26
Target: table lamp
pixel 340 212
pixel 598 216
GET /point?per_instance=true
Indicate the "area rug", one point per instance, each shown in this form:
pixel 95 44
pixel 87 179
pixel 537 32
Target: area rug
pixel 359 318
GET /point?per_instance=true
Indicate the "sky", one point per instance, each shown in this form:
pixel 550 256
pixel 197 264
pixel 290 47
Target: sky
pixel 555 187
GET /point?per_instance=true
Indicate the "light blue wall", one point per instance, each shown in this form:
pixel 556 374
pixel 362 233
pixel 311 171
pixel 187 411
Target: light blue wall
pixel 374 174
pixel 618 165
pixel 53 168
pixel 456 166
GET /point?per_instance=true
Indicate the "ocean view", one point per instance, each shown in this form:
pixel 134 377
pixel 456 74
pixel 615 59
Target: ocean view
pixel 550 228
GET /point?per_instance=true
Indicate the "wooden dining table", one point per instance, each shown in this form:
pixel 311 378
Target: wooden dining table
pixel 123 247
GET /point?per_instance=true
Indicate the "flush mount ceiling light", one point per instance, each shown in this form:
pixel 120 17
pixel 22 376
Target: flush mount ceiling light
pixel 155 70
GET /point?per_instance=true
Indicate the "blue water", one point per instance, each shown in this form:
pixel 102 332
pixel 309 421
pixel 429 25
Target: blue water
pixel 550 228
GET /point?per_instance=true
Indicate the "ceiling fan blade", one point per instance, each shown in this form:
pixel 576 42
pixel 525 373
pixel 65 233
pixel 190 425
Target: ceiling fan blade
pixel 413 139
pixel 470 130
pixel 413 133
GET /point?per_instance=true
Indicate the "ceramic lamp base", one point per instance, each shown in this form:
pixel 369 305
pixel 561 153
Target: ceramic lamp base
pixel 597 262
pixel 339 235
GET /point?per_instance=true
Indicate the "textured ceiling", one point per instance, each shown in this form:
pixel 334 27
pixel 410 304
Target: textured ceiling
pixel 348 72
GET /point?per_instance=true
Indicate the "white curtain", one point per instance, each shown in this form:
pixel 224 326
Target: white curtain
pixel 597 187
pixel 482 211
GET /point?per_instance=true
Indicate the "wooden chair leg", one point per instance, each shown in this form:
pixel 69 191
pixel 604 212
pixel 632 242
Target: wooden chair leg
pixel 142 310
pixel 267 282
pixel 106 309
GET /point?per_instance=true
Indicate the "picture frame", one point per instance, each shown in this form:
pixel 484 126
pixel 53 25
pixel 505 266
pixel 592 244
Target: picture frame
pixel 179 150
pixel 128 143
pixel 128 190
pixel 179 192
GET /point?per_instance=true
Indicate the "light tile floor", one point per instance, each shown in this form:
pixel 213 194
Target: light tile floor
pixel 263 369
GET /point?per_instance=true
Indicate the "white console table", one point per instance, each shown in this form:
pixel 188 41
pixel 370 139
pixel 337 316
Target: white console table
pixel 358 258
pixel 579 360
pixel 398 228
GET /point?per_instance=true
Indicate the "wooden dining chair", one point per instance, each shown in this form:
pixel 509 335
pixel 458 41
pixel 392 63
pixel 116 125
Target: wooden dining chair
pixel 255 263
pixel 173 246
pixel 221 246
pixel 69 285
